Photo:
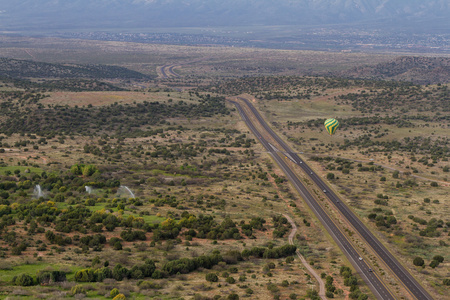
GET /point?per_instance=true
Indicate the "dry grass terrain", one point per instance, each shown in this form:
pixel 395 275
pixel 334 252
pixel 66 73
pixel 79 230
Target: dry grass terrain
pixel 244 197
pixel 398 176
pixel 184 160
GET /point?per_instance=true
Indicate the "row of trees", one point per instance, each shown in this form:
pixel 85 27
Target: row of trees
pixel 150 270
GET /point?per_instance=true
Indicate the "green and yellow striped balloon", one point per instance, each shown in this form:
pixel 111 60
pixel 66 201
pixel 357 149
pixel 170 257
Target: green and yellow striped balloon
pixel 331 125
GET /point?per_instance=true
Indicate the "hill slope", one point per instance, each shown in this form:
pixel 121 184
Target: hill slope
pixel 26 69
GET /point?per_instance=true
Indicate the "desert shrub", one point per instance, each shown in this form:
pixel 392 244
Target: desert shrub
pixel 131 235
pixel 418 261
pixel 114 292
pixel 102 273
pixel 23 280
pixel 150 285
pixel 230 280
pixel 329 294
pixel 78 289
pixel 273 288
pixel 119 272
pixel 434 264
pixel 289 259
pixel 85 275
pixel 211 277
pixel 44 277
pixel 438 258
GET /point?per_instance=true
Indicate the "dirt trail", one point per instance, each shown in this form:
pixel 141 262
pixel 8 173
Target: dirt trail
pixel 303 260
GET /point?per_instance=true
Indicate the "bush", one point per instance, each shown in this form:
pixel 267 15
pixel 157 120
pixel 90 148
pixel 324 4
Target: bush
pixel 149 285
pixel 130 235
pixel 446 281
pixel 114 292
pixel 78 289
pixel 329 294
pixel 438 258
pixel 211 277
pixel 44 277
pixel 119 272
pixel 273 288
pixel 85 275
pixel 120 297
pixel 89 202
pixel 418 261
pixel 434 264
pixel 23 280
pixel 230 280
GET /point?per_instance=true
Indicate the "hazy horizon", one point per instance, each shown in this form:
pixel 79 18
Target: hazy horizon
pixel 103 14
pixel 362 25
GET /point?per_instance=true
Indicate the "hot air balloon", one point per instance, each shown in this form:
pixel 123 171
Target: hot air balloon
pixel 331 125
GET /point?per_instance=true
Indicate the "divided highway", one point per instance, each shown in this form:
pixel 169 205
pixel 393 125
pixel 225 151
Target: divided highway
pixel 170 72
pixel 371 278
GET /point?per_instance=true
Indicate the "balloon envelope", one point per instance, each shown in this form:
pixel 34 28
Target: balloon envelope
pixel 331 125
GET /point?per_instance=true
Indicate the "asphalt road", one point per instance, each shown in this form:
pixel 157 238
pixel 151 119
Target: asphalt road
pixel 170 71
pixel 371 278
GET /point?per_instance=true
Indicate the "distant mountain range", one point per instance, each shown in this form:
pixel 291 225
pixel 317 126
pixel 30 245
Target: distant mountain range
pixel 95 14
